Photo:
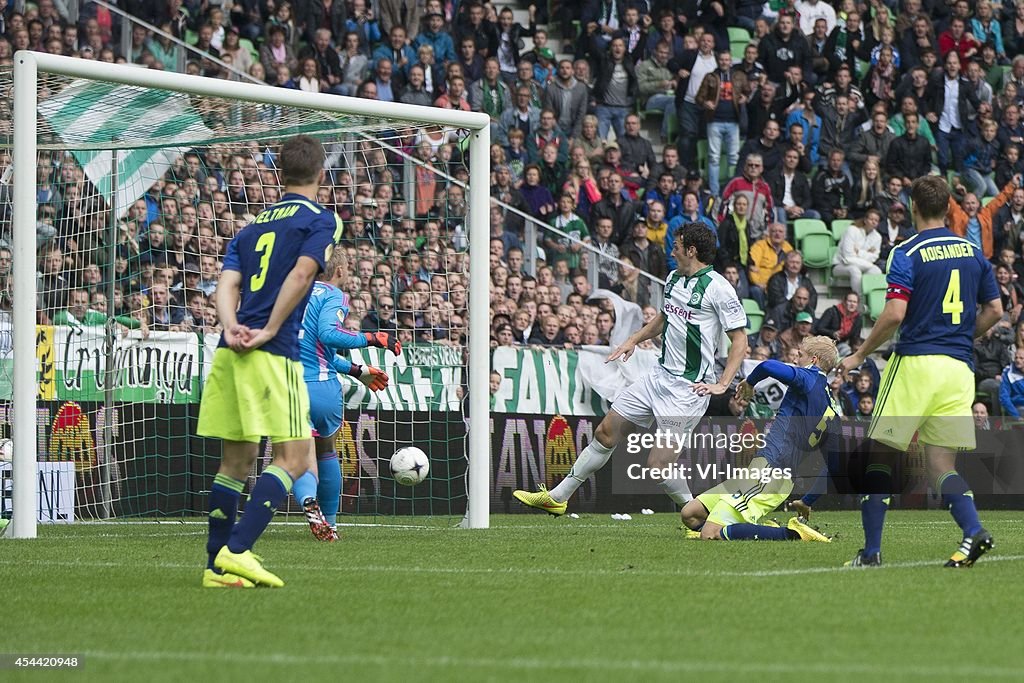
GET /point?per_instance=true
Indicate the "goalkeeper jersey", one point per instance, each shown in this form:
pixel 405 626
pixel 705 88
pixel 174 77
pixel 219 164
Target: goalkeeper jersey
pixel 697 310
pixel 323 334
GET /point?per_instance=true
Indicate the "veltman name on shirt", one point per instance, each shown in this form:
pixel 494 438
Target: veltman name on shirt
pixel 277 213
pixel 947 251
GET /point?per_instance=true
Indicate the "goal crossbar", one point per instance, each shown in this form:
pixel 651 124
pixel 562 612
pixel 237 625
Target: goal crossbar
pixel 29 65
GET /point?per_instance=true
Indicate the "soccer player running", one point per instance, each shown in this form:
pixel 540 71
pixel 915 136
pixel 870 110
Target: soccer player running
pixel 322 336
pixel 699 304
pixel 937 281
pixel 804 423
pixel 255 387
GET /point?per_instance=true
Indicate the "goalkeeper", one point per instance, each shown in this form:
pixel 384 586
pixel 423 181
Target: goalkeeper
pixel 730 510
pixel 322 336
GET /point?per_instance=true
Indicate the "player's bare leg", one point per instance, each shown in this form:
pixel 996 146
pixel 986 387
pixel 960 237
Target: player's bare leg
pixel 960 500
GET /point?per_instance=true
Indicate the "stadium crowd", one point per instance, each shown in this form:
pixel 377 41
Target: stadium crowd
pixel 770 112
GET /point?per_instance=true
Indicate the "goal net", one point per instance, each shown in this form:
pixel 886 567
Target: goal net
pixel 141 180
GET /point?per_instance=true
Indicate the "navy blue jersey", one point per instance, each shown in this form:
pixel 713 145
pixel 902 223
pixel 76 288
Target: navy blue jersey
pixel 943 278
pixel 266 250
pixel 806 417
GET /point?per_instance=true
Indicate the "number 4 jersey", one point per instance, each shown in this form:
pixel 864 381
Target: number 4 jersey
pixel 943 278
pixel 267 249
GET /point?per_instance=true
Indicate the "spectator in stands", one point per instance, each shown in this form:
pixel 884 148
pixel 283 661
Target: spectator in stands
pixel 438 39
pixel 414 92
pixel 791 189
pixel 656 83
pixel 974 222
pixel 637 152
pixel 327 60
pixel 1009 223
pixel 521 116
pixel 473 24
pixel 723 98
pixel 842 322
pixel 790 339
pixel 1011 386
pixel 954 117
pixel 767 337
pixel 758 193
pixel 782 48
pixel 567 98
pixel 767 256
pixel 400 14
pixel 991 354
pixel 859 249
pixel 277 52
pixel 867 189
pixel 615 203
pixel 786 312
pixel 644 253
pixel 831 189
pixel 733 241
pixel 548 333
pixel 490 94
pixel 562 248
pixel 537 197
pixel 909 155
pixel 615 88
pixel 783 285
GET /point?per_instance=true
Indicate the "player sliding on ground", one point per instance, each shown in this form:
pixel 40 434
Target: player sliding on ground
pixel 937 280
pixel 699 305
pixel 318 491
pixel 731 510
pixel 255 387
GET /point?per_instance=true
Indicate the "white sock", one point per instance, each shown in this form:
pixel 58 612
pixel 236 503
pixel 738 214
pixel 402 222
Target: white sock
pixel 593 458
pixel 677 489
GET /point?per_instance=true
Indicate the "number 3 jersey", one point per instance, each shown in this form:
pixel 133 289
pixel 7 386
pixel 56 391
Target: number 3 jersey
pixel 943 278
pixel 697 310
pixel 266 250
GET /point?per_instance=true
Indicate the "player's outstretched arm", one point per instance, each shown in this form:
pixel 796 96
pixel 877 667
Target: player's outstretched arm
pixel 737 352
pixel 293 291
pixel 648 331
pixel 888 322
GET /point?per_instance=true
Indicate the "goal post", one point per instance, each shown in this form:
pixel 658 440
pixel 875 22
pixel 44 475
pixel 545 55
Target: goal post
pixel 30 73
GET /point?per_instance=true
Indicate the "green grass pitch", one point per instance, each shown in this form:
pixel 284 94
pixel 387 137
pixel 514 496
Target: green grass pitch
pixel 534 597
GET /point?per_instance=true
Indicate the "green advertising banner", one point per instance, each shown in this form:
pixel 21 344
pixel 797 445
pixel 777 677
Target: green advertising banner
pixel 551 381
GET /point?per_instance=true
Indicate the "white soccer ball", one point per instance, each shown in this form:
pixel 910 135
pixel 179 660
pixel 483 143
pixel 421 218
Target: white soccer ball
pixel 409 466
pixel 6 450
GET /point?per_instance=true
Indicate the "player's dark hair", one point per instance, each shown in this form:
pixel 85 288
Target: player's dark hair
pixel 701 238
pixel 302 159
pixel 930 196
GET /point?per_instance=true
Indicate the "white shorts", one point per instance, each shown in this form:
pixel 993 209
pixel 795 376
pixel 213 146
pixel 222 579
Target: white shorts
pixel 660 395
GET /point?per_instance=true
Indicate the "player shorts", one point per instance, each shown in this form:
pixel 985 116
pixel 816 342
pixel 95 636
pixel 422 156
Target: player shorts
pixel 663 397
pixel 738 501
pixel 927 395
pixel 255 394
pixel 325 406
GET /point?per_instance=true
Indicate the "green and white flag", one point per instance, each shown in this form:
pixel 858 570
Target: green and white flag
pixel 89 115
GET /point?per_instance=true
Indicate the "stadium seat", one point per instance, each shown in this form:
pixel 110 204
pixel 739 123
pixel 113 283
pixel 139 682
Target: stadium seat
pixel 806 226
pixel 737 48
pixel 985 200
pixel 754 321
pixel 702 156
pixel 738 33
pixel 873 286
pixel 839 227
pixel 673 129
pixel 751 306
pixel 247 44
pixel 815 248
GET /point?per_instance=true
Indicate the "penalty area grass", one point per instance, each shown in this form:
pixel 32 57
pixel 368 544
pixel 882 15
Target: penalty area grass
pixel 534 596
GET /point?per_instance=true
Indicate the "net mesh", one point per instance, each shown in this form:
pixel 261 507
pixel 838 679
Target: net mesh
pixel 131 234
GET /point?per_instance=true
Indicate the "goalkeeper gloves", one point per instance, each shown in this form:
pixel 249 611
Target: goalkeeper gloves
pixel 384 340
pixel 374 379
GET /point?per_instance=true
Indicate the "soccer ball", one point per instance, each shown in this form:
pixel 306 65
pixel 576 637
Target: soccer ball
pixel 6 450
pixel 409 466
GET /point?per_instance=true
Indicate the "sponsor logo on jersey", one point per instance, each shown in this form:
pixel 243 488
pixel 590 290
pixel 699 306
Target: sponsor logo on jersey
pixel 678 311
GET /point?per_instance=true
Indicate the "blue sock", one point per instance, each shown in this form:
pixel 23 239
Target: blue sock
pixel 329 490
pixel 304 487
pixel 960 501
pixel 270 491
pixel 756 532
pixel 224 495
pixel 873 505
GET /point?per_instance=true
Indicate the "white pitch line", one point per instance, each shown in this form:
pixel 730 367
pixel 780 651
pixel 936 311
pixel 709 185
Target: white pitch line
pixel 542 571
pixel 688 665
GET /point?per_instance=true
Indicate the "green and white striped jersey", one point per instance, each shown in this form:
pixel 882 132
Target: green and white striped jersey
pixel 697 309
